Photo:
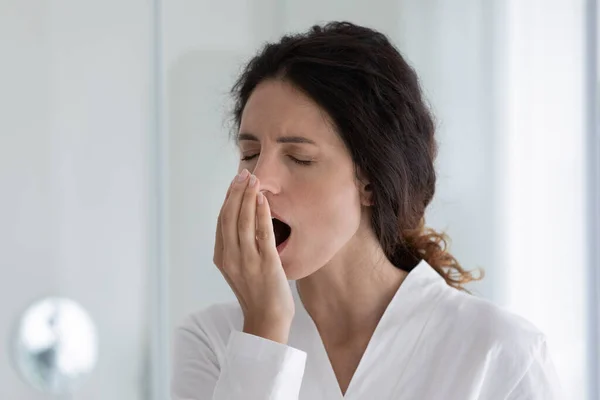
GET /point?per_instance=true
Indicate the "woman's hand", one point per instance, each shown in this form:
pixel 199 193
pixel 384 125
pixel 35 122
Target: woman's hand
pixel 246 255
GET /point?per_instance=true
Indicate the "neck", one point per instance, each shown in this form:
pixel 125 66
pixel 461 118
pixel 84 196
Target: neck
pixel 347 297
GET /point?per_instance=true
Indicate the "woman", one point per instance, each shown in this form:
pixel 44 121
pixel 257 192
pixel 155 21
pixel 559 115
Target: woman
pixel 337 168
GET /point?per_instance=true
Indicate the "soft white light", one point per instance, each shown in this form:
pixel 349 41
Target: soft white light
pixel 545 178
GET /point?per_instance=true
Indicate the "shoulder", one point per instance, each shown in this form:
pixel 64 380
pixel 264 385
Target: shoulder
pixel 473 322
pixel 487 318
pixel 490 321
pixel 479 325
pixel 516 351
pixel 475 334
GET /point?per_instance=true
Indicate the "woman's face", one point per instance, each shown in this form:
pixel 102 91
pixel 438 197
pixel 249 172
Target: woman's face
pixel 305 171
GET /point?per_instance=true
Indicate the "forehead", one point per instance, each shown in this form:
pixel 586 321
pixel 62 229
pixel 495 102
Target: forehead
pixel 277 108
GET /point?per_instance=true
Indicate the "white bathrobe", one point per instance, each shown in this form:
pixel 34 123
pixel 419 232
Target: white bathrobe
pixel 432 343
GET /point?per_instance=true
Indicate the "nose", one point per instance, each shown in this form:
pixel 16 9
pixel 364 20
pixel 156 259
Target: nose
pixel 268 172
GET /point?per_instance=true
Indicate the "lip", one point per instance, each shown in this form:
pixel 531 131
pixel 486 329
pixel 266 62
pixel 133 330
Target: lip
pixel 275 215
pixel 283 245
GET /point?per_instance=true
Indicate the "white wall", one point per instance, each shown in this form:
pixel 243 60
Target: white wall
pixel 74 124
pixel 544 188
pixel 204 44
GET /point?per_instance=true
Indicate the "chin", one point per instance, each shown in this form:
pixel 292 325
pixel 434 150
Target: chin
pixel 291 273
pixel 297 270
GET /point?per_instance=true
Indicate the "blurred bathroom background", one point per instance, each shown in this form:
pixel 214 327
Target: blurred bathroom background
pixel 115 157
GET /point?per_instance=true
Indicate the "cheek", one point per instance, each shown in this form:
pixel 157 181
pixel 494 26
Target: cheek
pixel 329 215
pixel 335 216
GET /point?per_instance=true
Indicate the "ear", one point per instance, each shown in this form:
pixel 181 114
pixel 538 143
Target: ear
pixel 367 195
pixel 366 191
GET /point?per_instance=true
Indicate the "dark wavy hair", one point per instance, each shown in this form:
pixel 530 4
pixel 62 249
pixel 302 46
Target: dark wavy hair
pixel 374 99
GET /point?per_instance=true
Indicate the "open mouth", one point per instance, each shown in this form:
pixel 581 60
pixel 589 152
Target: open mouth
pixel 282 231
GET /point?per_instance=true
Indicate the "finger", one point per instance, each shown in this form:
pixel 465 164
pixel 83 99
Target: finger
pixel 247 220
pixel 218 254
pixel 265 237
pixel 218 251
pixel 231 212
pixel 227 194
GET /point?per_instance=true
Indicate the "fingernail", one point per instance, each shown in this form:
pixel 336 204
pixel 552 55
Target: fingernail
pixel 260 198
pixel 243 175
pixel 252 180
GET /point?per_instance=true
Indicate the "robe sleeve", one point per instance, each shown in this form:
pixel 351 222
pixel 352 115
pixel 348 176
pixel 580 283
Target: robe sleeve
pixel 252 368
pixel 540 380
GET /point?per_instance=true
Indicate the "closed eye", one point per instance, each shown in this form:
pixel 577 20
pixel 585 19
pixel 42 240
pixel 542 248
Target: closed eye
pixel 297 161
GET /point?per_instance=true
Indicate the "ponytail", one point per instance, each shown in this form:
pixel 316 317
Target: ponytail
pixel 426 244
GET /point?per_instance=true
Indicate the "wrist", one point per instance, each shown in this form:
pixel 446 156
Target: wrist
pixel 277 331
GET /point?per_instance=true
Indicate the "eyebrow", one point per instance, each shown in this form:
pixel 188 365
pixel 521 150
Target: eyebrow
pixel 281 139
